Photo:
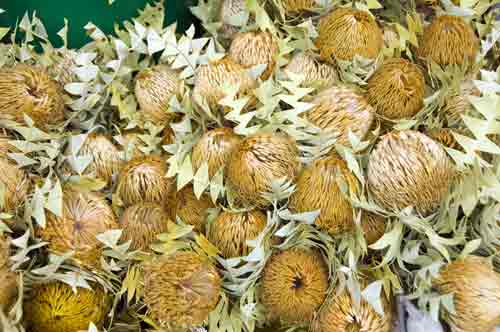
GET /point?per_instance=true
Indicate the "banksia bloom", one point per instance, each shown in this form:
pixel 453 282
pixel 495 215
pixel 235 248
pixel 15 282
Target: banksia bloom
pixel 408 168
pixel 340 109
pixel 348 32
pixel 142 223
pixel 317 188
pixel 476 294
pixel 259 160
pixel 8 289
pixel 315 73
pixel 214 148
pixel 181 289
pixel 229 9
pixel 340 314
pixel 144 179
pixel 373 227
pixel 294 284
pixel 231 230
pixel 210 78
pixel 448 40
pixel 4 250
pixel 396 90
pixel 16 183
pixel 443 136
pixel 458 104
pixel 54 307
pixel 85 215
pixel 255 48
pixel 297 6
pixel 154 87
pixel 29 90
pixel 191 210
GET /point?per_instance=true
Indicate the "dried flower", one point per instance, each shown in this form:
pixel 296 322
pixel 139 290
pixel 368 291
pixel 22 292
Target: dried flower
pixel 231 230
pixel 191 210
pixel 8 289
pixel 296 6
pixel 396 90
pixel 443 136
pixel 259 160
pixel 457 104
pixel 408 168
pixel 315 73
pixel 373 227
pixel 15 185
pixel 180 290
pixel 347 32
pixel 228 10
pixel 294 285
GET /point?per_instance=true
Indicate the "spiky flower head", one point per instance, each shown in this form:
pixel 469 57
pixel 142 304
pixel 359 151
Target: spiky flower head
pixel 317 189
pixel 443 136
pixel 85 215
pixel 315 73
pixel 4 250
pixel 144 179
pixel 228 10
pixel 231 231
pixel 16 185
pixel 476 294
pixel 458 104
pixel 8 288
pixel 373 226
pixel 214 148
pixel 340 110
pixel 191 210
pixel 408 168
pixel 181 289
pixel 154 87
pixel 340 314
pixel 254 48
pixel 259 160
pixel 347 32
pixel 396 90
pixel 210 78
pixel 55 307
pixel 29 90
pixel 448 40
pixel 142 223
pixel 297 6
pixel 294 284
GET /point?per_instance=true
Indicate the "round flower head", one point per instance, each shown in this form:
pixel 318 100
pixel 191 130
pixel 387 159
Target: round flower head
pixel 293 286
pixel 373 227
pixel 340 314
pixel 340 110
pixel 144 179
pixel 228 10
pixel 8 289
pixel 458 104
pixel 476 294
pixel 55 307
pixel 16 185
pixel 191 210
pixel 142 223
pixel 154 87
pixel 29 90
pixel 85 215
pixel 396 90
pixel 317 189
pixel 210 79
pixel 297 6
pixel 448 40
pixel 230 231
pixel 214 148
pixel 347 32
pixel 315 73
pixel 4 250
pixel 255 48
pixel 443 136
pixel 259 160
pixel 408 168
pixel 180 290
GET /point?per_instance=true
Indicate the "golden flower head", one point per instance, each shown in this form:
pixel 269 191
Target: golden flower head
pixel 228 10
pixel 191 210
pixel 396 90
pixel 476 294
pixel 408 168
pixel 85 215
pixel 154 87
pixel 347 32
pixel 315 72
pixel 458 104
pixel 214 148
pixel 142 223
pixel 8 288
pixel 317 188
pixel 340 314
pixel 181 289
pixel 29 90
pixel 297 6
pixel 294 284
pixel 259 160
pixel 210 78
pixel 448 40
pixel 16 185
pixel 4 250
pixel 144 179
pixel 443 136
pixel 231 231
pixel 254 48
pixel 373 227
pixel 340 110
pixel 54 307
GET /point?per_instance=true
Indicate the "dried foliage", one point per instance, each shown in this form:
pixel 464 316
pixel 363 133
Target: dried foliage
pixel 228 10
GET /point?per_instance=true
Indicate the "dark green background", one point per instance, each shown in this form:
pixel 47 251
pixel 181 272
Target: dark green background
pixel 80 12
